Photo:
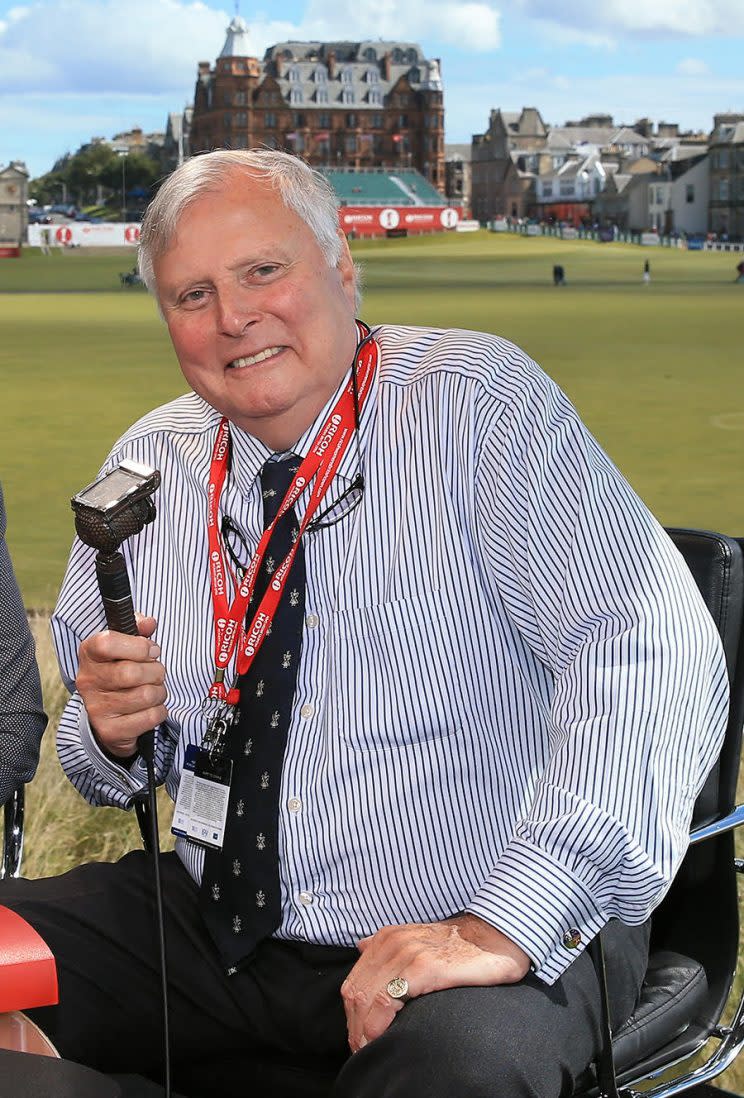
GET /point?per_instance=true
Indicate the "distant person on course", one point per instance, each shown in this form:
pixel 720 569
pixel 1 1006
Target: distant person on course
pixel 646 273
pixel 469 690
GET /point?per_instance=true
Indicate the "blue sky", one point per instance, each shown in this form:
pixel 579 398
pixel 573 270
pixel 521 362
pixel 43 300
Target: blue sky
pixel 72 69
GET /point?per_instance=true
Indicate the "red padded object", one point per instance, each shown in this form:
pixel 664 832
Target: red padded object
pixel 28 974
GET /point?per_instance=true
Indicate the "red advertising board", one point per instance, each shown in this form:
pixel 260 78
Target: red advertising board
pixel 397 220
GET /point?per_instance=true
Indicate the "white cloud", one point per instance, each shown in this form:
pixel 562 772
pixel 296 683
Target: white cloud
pixel 692 66
pixel 631 17
pixel 100 46
pixel 474 25
pixel 154 45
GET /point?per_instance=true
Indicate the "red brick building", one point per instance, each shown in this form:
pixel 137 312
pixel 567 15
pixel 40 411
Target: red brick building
pixel 370 104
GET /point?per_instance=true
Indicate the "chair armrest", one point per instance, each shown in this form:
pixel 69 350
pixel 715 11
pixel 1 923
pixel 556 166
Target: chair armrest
pixel 12 847
pixel 718 827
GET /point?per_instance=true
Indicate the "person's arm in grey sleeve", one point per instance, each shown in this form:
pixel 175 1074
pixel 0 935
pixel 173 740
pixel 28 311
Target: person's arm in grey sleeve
pixel 22 717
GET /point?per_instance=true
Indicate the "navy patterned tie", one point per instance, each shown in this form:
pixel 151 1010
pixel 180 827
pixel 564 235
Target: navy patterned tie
pixel 240 893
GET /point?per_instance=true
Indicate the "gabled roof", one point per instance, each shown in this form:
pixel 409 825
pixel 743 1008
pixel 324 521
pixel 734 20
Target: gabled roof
pixel 304 67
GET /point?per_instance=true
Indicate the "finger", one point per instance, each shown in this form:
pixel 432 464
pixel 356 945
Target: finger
pixel 109 645
pixel 119 735
pixel 146 624
pixel 115 675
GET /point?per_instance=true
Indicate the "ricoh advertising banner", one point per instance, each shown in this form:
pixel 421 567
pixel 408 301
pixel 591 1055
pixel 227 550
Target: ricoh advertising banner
pixel 84 234
pixel 397 220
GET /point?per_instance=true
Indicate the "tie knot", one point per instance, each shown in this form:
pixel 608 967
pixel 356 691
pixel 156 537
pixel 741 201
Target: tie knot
pixel 276 477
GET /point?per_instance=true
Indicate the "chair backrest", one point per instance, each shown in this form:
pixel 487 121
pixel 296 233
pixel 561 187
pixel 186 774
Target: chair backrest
pixel 699 917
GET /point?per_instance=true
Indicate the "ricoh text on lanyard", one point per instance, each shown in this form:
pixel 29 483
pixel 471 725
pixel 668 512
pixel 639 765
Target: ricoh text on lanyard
pixel 318 467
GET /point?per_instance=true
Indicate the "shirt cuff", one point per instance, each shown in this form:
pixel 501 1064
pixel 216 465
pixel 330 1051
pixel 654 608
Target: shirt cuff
pixel 536 902
pixel 130 778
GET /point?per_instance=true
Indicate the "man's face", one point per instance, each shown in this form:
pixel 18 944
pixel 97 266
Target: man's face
pixel 263 328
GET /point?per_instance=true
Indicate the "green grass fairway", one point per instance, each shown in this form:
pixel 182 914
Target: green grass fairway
pixel 656 371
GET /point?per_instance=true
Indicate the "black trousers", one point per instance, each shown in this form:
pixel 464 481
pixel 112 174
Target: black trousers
pixel 277 1028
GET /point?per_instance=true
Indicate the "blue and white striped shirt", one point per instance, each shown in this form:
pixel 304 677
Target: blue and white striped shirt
pixel 509 691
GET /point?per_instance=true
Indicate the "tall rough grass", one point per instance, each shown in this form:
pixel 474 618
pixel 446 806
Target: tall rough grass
pixel 62 830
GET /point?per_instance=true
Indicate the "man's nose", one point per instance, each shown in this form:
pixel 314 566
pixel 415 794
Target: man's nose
pixel 236 312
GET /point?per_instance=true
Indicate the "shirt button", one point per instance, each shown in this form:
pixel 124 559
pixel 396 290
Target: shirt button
pixel 305 898
pixel 294 804
pixel 307 711
pixel 312 621
pixel 572 938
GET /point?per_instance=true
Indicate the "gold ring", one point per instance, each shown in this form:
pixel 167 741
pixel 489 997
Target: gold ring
pixel 398 989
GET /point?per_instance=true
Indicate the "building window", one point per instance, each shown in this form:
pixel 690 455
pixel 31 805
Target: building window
pixel 347 76
pixel 299 119
pixel 410 56
pixel 567 190
pixel 378 121
pixel 239 99
pixel 320 76
pixel 414 76
pixel 240 142
pixel 723 190
pixel 294 74
pixel 347 96
pixel 374 98
pixel 270 120
pixel 547 190
pixel 351 121
pixel 295 95
pixel 397 56
pixel 373 76
pixel 689 192
pixel 227 120
pixel 370 54
pixel 723 158
pixel 324 121
pixel 241 119
pixel 321 95
pixel 350 143
pixel 402 121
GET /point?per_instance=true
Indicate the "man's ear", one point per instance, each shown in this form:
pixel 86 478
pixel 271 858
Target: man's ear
pixel 347 270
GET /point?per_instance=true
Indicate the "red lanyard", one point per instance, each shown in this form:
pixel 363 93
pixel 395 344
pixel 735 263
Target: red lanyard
pixel 318 467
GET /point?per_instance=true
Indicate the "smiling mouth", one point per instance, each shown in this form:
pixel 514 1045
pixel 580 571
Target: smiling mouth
pixel 252 360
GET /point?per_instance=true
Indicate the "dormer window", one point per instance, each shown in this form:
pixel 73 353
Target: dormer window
pixel 320 76
pixel 347 96
pixel 397 56
pixel 373 76
pixel 295 95
pixel 347 76
pixel 370 54
pixel 375 97
pixel 415 76
pixel 321 95
pixel 294 74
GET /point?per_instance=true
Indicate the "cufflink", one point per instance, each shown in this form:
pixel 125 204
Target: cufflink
pixel 572 938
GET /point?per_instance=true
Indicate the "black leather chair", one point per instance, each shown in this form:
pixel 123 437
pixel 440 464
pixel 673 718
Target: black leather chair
pixel 695 935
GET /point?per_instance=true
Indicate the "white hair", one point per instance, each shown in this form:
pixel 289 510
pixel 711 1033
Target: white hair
pixel 302 189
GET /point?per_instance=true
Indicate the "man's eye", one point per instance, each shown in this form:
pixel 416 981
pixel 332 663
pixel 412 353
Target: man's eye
pixel 193 297
pixel 266 270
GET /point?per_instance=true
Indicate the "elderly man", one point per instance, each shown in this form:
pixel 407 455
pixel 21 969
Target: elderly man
pixel 442 688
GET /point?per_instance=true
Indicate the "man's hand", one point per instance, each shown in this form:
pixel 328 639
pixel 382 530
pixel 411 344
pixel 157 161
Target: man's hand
pixel 461 952
pixel 120 679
